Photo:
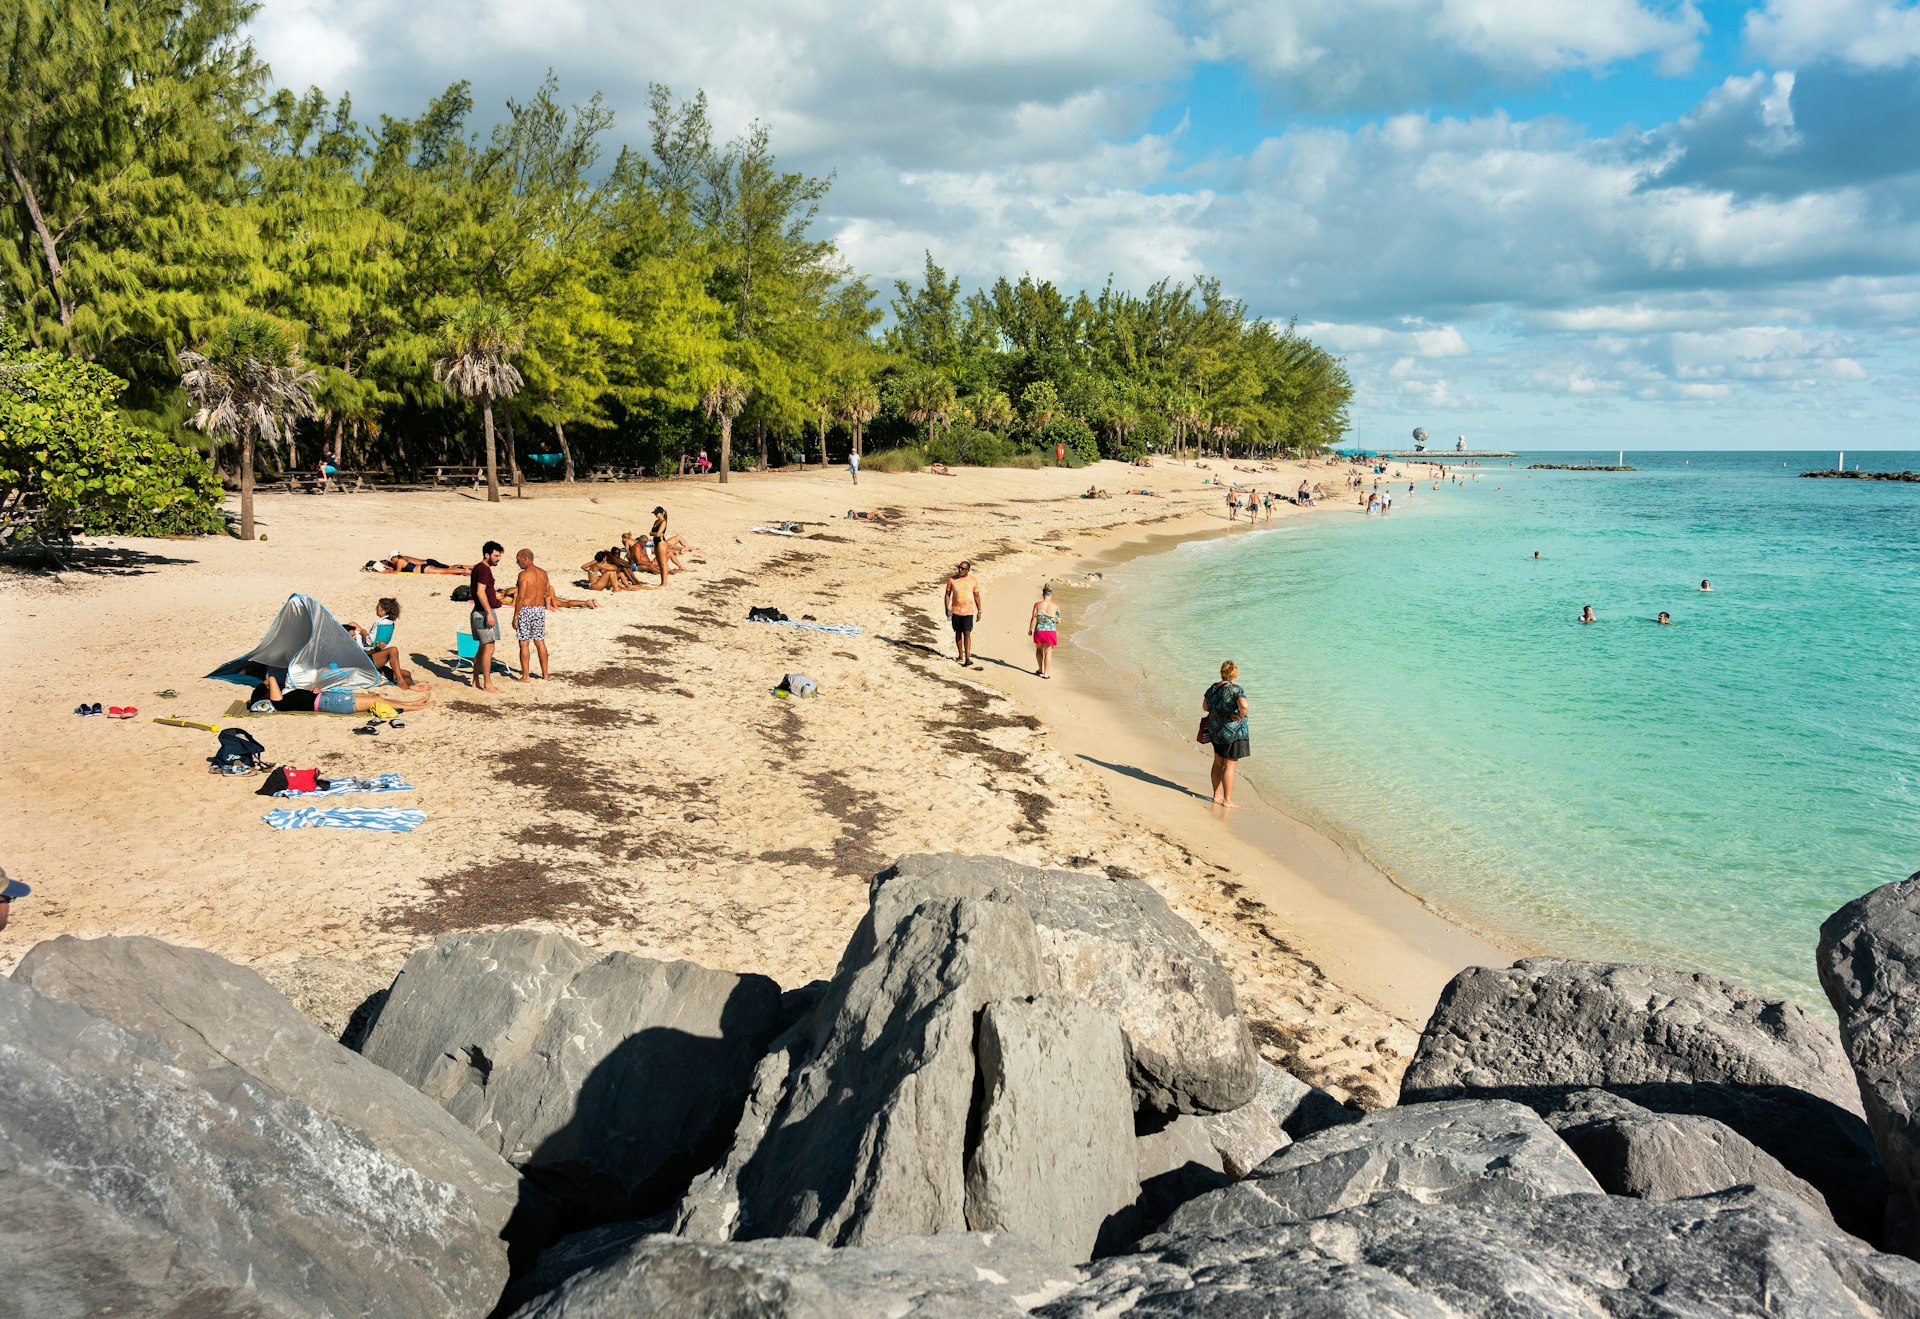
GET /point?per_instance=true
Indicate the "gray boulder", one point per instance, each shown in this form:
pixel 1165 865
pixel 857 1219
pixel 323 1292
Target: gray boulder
pixel 1671 1041
pixel 1116 944
pixel 1175 1160
pixel 139 1179
pixel 1745 1254
pixel 1635 1151
pixel 1053 1163
pixel 950 1276
pixel 611 1078
pixel 1490 1152
pixel 1869 963
pixel 1244 1138
pixel 855 1132
pixel 1299 1108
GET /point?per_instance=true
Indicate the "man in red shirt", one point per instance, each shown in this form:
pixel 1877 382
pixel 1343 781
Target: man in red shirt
pixel 485 622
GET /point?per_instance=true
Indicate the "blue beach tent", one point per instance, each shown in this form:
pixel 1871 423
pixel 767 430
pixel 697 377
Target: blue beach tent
pixel 305 647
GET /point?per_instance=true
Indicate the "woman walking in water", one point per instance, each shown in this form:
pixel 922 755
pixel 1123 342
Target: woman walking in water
pixel 1043 625
pixel 1224 720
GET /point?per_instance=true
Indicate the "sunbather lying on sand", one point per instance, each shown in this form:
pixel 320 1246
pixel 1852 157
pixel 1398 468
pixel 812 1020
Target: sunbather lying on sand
pixel 940 469
pixel 862 515
pixel 1095 492
pixel 334 700
pixel 557 602
pixel 414 563
pixel 1142 490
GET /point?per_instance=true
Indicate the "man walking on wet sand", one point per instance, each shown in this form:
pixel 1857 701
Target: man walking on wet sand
pixel 485 621
pixel 965 607
pixel 532 597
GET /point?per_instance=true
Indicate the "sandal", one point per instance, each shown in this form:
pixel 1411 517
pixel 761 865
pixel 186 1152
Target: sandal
pixel 167 695
pixel 396 723
pixel 370 729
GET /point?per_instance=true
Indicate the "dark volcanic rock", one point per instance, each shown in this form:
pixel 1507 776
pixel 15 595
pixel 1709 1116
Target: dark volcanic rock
pixel 1869 963
pixel 950 1276
pixel 139 1180
pixel 1116 944
pixel 856 1129
pixel 1489 1151
pixel 1730 1256
pixel 1669 1041
pixel 612 1079
pixel 1053 1160
pixel 1634 1151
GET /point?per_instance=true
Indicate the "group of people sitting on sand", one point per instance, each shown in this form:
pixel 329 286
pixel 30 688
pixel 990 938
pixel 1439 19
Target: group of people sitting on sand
pixel 658 553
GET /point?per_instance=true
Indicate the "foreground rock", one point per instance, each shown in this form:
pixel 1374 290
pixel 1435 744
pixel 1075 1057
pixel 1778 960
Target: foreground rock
pixel 1730 1256
pixel 1669 1041
pixel 194 1146
pixel 1116 944
pixel 856 1129
pixel 949 1276
pixel 1052 1165
pixel 1634 1151
pixel 1869 962
pixel 612 1079
pixel 1490 1152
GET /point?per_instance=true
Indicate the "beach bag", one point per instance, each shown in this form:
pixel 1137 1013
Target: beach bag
pixel 1203 735
pixel 462 594
pixel 765 614
pixel 303 780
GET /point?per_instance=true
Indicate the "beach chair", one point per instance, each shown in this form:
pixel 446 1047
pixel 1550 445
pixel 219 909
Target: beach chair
pixel 468 650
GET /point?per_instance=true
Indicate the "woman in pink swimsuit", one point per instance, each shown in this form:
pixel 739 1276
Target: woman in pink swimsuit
pixel 1043 625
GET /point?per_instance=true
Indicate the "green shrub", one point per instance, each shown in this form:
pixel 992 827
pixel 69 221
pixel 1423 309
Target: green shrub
pixel 1082 445
pixel 909 458
pixel 65 445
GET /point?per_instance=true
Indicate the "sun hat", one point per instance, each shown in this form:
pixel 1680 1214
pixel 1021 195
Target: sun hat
pixel 11 888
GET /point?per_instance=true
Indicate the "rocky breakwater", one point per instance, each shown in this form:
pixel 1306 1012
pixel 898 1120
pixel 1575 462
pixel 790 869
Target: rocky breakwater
pixel 1021 1092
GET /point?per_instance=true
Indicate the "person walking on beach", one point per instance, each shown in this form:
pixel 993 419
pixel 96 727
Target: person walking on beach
pixel 1043 625
pixel 485 620
pixel 853 464
pixel 532 597
pixel 1223 712
pixel 965 607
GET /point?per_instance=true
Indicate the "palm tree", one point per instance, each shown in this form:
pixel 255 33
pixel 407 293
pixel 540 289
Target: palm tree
pixel 723 400
pixel 859 405
pixel 477 341
pixel 992 410
pixel 248 382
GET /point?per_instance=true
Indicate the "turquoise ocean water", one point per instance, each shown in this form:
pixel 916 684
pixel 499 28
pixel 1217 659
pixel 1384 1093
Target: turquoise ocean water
pixel 1700 795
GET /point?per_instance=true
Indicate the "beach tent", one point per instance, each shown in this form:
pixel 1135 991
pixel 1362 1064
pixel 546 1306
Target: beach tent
pixel 307 648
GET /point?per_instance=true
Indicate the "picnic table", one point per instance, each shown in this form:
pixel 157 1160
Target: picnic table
pixel 446 474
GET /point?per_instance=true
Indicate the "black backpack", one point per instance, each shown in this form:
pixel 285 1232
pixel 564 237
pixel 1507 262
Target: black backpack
pixel 462 594
pixel 237 747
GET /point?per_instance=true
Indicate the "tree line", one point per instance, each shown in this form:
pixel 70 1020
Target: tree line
pixel 271 279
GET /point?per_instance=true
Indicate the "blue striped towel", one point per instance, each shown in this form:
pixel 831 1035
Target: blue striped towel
pixel 835 629
pixel 379 783
pixel 385 819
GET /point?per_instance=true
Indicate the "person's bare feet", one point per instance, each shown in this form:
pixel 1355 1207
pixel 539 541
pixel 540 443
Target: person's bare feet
pixel 525 677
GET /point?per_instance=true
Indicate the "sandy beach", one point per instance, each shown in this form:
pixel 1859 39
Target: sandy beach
pixel 654 796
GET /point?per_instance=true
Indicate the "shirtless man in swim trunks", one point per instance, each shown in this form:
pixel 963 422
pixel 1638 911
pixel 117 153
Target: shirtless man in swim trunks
pixel 532 597
pixel 965 607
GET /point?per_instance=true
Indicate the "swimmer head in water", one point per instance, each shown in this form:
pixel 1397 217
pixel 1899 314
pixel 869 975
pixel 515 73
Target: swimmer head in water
pixel 1665 619
pixel 1705 585
pixel 1586 614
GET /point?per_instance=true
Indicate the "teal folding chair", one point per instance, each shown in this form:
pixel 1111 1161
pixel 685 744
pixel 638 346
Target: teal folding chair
pixel 467 649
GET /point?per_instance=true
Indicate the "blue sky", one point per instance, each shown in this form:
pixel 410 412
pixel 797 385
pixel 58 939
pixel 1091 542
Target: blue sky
pixel 1596 223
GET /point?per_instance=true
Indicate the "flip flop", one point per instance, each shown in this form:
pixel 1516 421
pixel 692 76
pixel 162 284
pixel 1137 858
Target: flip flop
pixel 396 723
pixel 95 708
pixel 128 713
pixel 167 695
pixel 82 710
pixel 369 730
pixel 114 712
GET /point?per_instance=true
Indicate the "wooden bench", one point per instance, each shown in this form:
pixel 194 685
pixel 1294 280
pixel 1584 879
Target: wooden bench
pixel 450 475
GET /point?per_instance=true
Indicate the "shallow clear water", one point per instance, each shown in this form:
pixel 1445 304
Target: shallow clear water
pixel 1701 795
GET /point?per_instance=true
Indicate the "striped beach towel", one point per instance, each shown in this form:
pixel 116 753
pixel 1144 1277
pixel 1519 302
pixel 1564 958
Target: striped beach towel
pixel 833 629
pixel 385 819
pixel 335 787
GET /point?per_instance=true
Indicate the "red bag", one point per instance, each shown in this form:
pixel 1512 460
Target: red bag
pixel 1203 735
pixel 303 780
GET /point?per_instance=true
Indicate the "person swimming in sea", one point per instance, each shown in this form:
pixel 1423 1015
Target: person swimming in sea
pixel 1665 619
pixel 1586 614
pixel 1705 585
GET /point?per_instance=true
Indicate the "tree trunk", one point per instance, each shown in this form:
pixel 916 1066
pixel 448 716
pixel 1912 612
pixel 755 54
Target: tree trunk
pixel 493 466
pixel 246 485
pixel 859 429
pixel 726 446
pixel 823 441
pixel 566 451
pixel 55 275
pixel 513 452
pixel 760 433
